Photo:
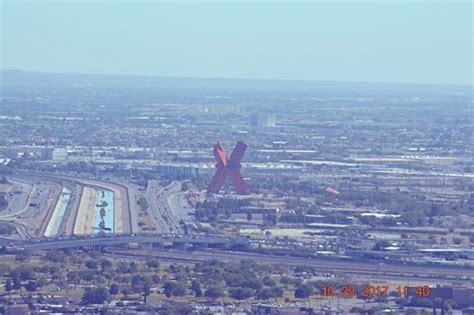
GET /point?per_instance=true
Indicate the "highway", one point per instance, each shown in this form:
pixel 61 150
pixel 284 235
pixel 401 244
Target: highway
pixel 22 203
pixel 17 201
pixel 179 206
pixel 152 194
pixel 76 242
pixel 31 220
pixel 164 207
pixel 17 204
pixel 167 211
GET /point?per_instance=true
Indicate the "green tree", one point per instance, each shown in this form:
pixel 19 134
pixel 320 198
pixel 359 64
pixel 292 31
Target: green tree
pixel 95 296
pixel 277 292
pixel 264 294
pixel 196 288
pixel 22 272
pixel 30 286
pixel 156 279
pixel 168 288
pixel 56 256
pixel 114 289
pixel 153 264
pixel 122 267
pixel 106 264
pixel 41 282
pixel 146 291
pixel 109 275
pixel 268 281
pixel 8 285
pixel 17 284
pixel 125 291
pixel 137 280
pixel 303 291
pixel 285 281
pixel 73 277
pixel 214 292
pixel 91 264
pixel 132 268
pixel 241 293
pixel 179 289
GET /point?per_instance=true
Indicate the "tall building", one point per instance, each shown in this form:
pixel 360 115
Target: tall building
pixel 270 120
pixel 262 120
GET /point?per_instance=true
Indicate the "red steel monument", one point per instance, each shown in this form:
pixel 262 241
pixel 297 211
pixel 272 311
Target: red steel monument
pixel 228 166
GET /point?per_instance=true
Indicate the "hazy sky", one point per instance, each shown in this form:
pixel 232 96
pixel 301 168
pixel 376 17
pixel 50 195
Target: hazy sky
pixel 403 41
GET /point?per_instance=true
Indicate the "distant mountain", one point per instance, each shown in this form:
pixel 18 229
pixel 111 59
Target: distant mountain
pixel 20 78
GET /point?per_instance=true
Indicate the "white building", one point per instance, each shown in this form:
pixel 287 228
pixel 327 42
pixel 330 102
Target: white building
pixel 59 154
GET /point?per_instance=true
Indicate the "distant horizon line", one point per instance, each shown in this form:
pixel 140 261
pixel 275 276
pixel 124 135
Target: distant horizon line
pixel 236 79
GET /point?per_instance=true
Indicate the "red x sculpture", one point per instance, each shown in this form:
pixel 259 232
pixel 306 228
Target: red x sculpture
pixel 228 166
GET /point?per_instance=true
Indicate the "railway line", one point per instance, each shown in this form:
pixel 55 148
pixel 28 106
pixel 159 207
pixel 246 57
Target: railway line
pixel 367 270
pixel 361 268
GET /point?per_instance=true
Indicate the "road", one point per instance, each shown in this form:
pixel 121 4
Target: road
pixel 83 241
pixel 169 209
pixel 20 228
pixel 179 206
pixel 164 207
pixel 19 202
pixel 31 220
pixel 152 194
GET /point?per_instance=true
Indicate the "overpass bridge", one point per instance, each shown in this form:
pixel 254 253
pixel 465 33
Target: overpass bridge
pixel 145 241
